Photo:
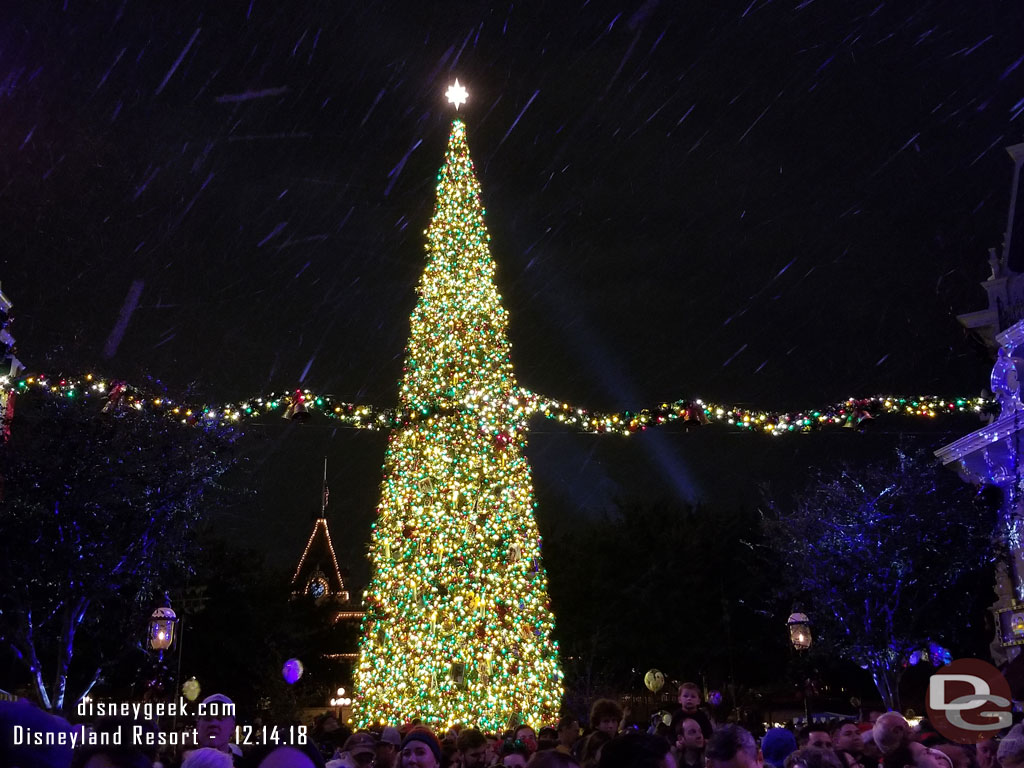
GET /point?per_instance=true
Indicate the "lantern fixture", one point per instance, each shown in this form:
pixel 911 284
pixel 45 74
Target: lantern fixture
pixel 799 631
pixel 161 629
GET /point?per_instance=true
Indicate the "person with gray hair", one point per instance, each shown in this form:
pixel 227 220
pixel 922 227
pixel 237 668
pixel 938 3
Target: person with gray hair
pixel 810 757
pixel 891 732
pixel 733 747
pixel 1010 753
pixel 207 757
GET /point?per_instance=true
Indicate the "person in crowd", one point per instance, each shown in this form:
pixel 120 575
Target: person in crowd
pixel 590 749
pixel 891 732
pixel 387 747
pixel 818 737
pixel 527 735
pixel 930 757
pixel 472 748
pixel 207 757
pixel 636 750
pixel 665 732
pixel 124 726
pixel 1010 753
pixel 218 730
pixel 605 715
pixel 689 744
pixel 547 738
pixel 733 747
pixel 362 747
pixel 514 754
pixel 27 715
pixel 812 757
pixel 291 756
pixel 106 756
pixel 690 706
pixel 985 753
pixel 552 758
pixel 870 754
pixel 569 733
pixel 421 749
pixel 847 743
pixel 328 735
pixel 776 745
pixel 959 755
pixel 926 734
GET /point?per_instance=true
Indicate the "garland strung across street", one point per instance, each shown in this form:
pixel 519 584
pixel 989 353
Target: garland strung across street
pixel 301 404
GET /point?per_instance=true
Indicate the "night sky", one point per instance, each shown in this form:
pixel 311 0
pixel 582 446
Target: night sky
pixel 773 203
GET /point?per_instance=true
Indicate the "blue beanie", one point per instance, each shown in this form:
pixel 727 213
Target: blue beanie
pixel 426 736
pixel 777 745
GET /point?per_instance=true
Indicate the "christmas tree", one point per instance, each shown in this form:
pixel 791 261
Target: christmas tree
pixel 458 625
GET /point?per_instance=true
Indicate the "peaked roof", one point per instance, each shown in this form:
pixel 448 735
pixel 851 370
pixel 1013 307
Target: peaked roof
pixel 318 559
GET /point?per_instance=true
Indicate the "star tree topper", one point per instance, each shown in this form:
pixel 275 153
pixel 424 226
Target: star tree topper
pixel 457 94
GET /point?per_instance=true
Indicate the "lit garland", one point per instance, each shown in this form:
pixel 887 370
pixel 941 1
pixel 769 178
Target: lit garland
pixel 458 623
pixel 846 413
pixel 299 404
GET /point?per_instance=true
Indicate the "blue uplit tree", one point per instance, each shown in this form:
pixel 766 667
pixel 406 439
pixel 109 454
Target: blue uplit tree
pixel 98 515
pixel 880 557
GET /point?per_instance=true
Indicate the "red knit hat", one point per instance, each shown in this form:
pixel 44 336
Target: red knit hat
pixel 425 735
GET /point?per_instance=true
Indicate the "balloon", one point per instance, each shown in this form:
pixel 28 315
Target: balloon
pixel 654 680
pixel 292 671
pixel 191 689
pixel 715 698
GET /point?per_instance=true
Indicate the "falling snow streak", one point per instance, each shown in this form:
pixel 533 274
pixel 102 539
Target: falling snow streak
pixel 195 197
pixel 896 154
pixel 177 62
pixel 397 170
pixel 734 355
pixel 763 113
pixel 518 117
pixel 142 187
pixel 131 301
pixel 250 95
pixel 269 136
pixel 107 73
pixel 1010 68
pixel 273 232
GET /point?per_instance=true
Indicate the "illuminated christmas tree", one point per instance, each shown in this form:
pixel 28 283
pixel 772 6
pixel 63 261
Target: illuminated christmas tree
pixel 458 625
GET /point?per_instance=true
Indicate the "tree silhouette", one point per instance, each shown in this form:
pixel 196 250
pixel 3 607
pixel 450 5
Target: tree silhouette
pixel 98 513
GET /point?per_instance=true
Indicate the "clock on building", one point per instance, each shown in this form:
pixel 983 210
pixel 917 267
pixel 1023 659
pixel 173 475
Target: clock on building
pixel 318 587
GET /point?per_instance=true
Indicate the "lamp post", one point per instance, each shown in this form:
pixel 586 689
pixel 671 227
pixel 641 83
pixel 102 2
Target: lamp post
pixel 341 702
pixel 799 631
pixel 164 630
pixel 161 629
pixel 800 636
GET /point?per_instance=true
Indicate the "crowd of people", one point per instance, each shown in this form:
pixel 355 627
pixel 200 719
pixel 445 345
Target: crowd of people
pixel 689 738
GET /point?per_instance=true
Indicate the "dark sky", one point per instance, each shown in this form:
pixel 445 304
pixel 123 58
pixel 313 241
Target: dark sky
pixel 772 203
